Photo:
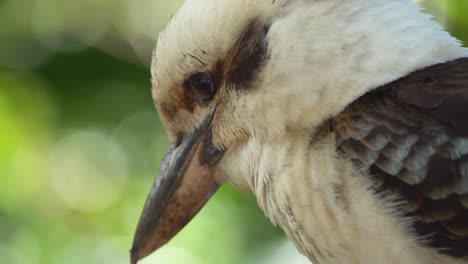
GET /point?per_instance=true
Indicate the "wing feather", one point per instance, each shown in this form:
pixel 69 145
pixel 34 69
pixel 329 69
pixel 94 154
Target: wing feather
pixel 412 134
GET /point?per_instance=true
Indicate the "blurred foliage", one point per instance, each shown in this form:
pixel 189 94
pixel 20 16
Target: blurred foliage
pixel 80 140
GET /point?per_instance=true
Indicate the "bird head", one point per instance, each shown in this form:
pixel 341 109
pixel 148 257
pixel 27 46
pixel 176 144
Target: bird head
pixel 230 76
pixel 209 77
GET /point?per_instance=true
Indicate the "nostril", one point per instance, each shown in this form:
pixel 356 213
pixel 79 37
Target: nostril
pixel 179 139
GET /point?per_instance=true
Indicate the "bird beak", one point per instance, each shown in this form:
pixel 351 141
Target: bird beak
pixel 184 185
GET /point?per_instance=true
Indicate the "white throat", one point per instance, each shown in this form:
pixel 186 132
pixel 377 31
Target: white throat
pixel 324 205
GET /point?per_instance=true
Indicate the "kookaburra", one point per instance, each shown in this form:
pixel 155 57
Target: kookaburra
pixel 347 119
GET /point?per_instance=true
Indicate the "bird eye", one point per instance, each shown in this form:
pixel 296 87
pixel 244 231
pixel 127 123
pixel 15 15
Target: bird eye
pixel 203 86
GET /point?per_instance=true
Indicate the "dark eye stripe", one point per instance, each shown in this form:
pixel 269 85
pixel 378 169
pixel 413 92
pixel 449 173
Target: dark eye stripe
pixel 248 55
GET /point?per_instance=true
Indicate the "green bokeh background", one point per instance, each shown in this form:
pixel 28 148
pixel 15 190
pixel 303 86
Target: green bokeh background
pixel 80 141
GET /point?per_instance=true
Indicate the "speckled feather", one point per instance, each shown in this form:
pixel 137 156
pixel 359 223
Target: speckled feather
pixel 412 134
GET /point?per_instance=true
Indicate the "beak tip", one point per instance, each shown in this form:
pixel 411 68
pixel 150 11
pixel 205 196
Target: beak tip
pixel 134 256
pixel 183 186
pixel 140 251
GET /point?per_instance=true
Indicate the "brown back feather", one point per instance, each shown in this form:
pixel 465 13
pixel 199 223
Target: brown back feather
pixel 412 134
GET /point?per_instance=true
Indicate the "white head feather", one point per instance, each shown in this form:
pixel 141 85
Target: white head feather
pixel 322 55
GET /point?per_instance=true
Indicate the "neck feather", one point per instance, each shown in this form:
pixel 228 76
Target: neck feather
pixel 324 205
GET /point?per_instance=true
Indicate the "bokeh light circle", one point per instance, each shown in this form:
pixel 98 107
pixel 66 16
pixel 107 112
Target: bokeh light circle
pixel 58 25
pixel 88 170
